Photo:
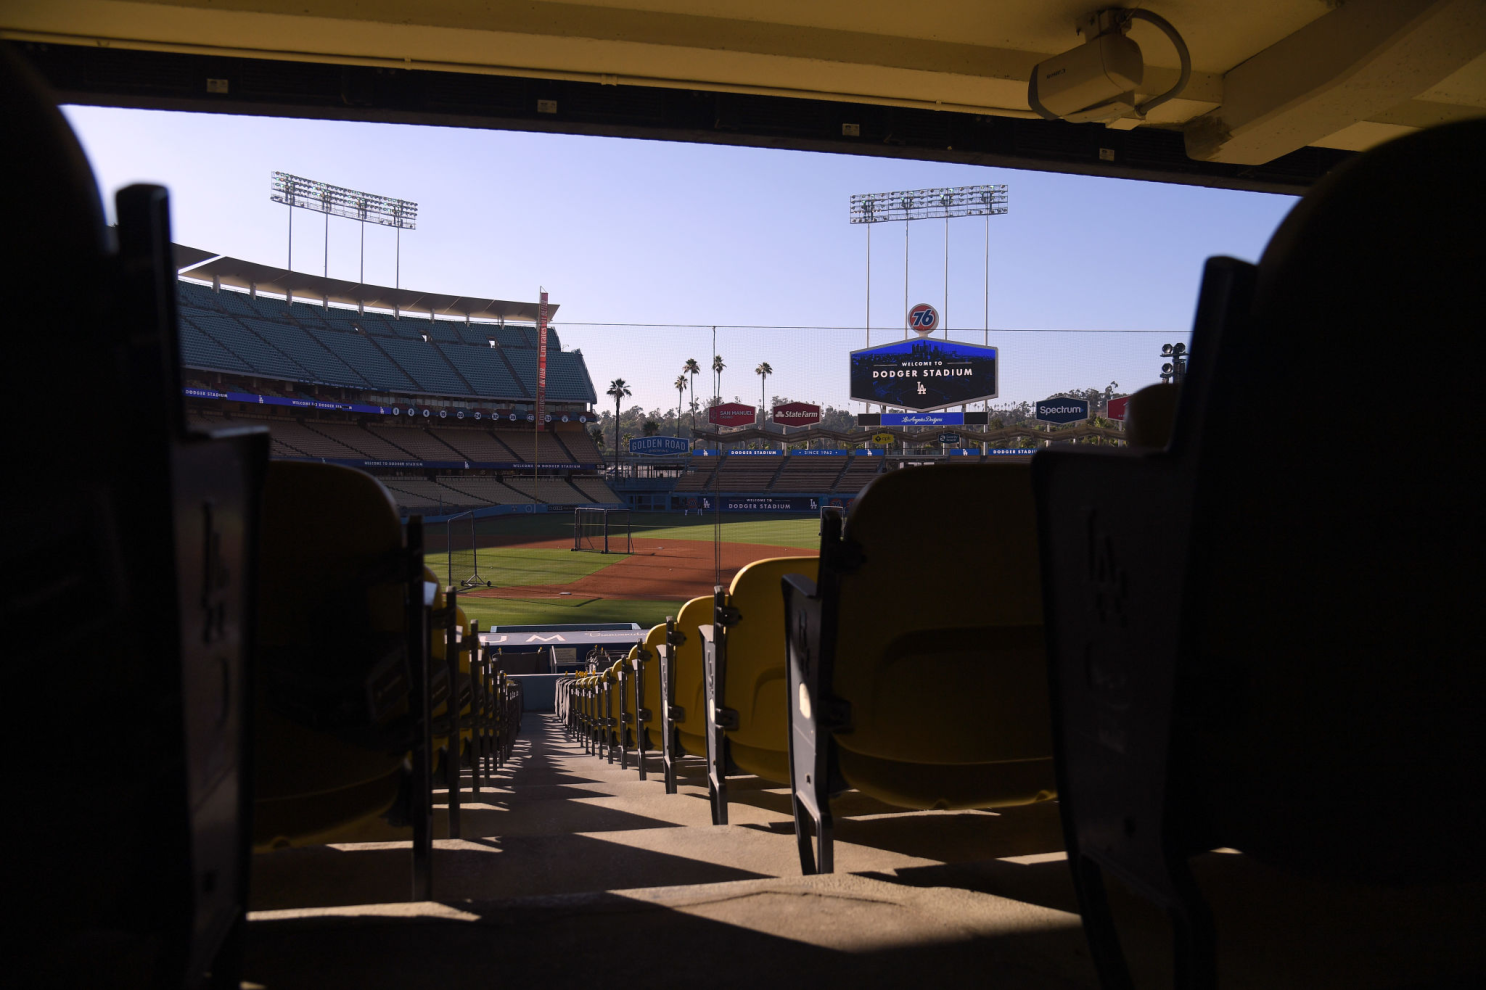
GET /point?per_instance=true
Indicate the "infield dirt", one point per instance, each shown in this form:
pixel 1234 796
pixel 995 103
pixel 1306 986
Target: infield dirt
pixel 672 569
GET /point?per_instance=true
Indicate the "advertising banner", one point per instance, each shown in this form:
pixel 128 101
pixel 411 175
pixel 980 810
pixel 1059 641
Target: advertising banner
pixel 732 414
pixel 884 439
pixel 760 503
pixel 923 419
pixel 1117 408
pixel 659 445
pixel 923 374
pixel 796 414
pixel 1062 410
pixel 949 438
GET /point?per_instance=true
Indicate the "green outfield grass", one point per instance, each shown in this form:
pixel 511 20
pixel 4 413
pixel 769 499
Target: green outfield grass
pixel 796 531
pixel 515 612
pixel 511 566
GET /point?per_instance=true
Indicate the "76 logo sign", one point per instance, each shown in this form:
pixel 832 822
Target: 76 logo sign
pixel 923 318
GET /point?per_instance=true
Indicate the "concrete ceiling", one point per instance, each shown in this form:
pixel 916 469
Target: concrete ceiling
pixel 1269 76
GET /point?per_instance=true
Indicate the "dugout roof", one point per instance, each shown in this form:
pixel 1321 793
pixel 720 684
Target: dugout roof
pixel 237 273
pixel 1298 82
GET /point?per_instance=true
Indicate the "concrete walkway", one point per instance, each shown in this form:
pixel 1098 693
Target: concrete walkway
pixel 573 871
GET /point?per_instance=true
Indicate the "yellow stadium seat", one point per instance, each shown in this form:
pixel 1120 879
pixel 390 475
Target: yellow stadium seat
pixel 683 718
pixel 648 688
pixel 745 672
pixel 935 695
pixel 333 679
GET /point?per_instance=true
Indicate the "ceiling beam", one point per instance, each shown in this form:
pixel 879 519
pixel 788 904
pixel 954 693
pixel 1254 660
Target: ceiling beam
pixel 1364 58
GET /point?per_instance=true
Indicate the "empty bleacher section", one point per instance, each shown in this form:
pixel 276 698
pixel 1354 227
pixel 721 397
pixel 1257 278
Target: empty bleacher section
pixel 745 474
pixel 418 442
pixel 476 445
pixel 551 490
pixel 699 478
pixel 596 489
pixel 580 445
pixel 809 474
pixel 860 471
pixel 484 490
pixel 534 448
pixel 310 441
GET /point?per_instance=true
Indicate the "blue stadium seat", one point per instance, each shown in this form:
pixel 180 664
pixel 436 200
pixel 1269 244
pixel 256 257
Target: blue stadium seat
pixel 364 356
pixel 483 368
pixel 258 353
pixel 300 345
pixel 422 363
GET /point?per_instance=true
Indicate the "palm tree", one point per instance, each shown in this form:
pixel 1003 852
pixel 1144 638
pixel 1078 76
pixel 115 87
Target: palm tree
pixel 680 391
pixel 763 371
pixel 619 388
pixel 692 369
pixel 717 369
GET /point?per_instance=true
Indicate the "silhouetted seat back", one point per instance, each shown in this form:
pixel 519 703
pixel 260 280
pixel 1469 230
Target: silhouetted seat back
pixel 1263 636
pixel 129 598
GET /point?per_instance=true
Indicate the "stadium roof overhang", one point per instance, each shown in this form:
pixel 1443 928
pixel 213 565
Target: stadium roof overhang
pixel 1280 90
pixel 237 273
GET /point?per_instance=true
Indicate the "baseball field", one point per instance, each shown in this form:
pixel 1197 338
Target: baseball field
pixel 536 577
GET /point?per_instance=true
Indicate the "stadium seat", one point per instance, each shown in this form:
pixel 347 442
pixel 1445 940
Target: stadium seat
pixel 647 676
pixel 683 720
pixel 334 678
pixel 1150 415
pixel 935 697
pixel 1264 639
pixel 743 652
pixel 129 592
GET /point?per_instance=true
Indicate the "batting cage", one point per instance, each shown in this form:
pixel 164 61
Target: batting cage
pixel 600 530
pixel 462 567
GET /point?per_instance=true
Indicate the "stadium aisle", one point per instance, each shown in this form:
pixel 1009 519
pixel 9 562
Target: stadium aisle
pixel 571 859
pixel 574 869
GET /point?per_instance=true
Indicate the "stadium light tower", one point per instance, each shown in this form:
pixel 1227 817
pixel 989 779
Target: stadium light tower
pixel 321 197
pixel 1175 369
pixel 928 204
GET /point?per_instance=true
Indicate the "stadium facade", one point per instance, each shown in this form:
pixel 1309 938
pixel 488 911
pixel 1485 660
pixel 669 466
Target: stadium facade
pixel 439 404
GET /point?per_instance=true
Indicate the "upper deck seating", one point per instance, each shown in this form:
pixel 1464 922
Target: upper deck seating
pixel 483 368
pixel 941 700
pixel 422 362
pixel 370 363
pixel 1266 641
pixel 744 655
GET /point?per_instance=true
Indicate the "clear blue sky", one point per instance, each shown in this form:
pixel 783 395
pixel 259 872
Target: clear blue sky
pixel 623 231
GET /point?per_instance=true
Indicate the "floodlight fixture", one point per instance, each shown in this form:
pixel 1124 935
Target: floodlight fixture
pixel 297 192
pixel 338 201
pixel 929 204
